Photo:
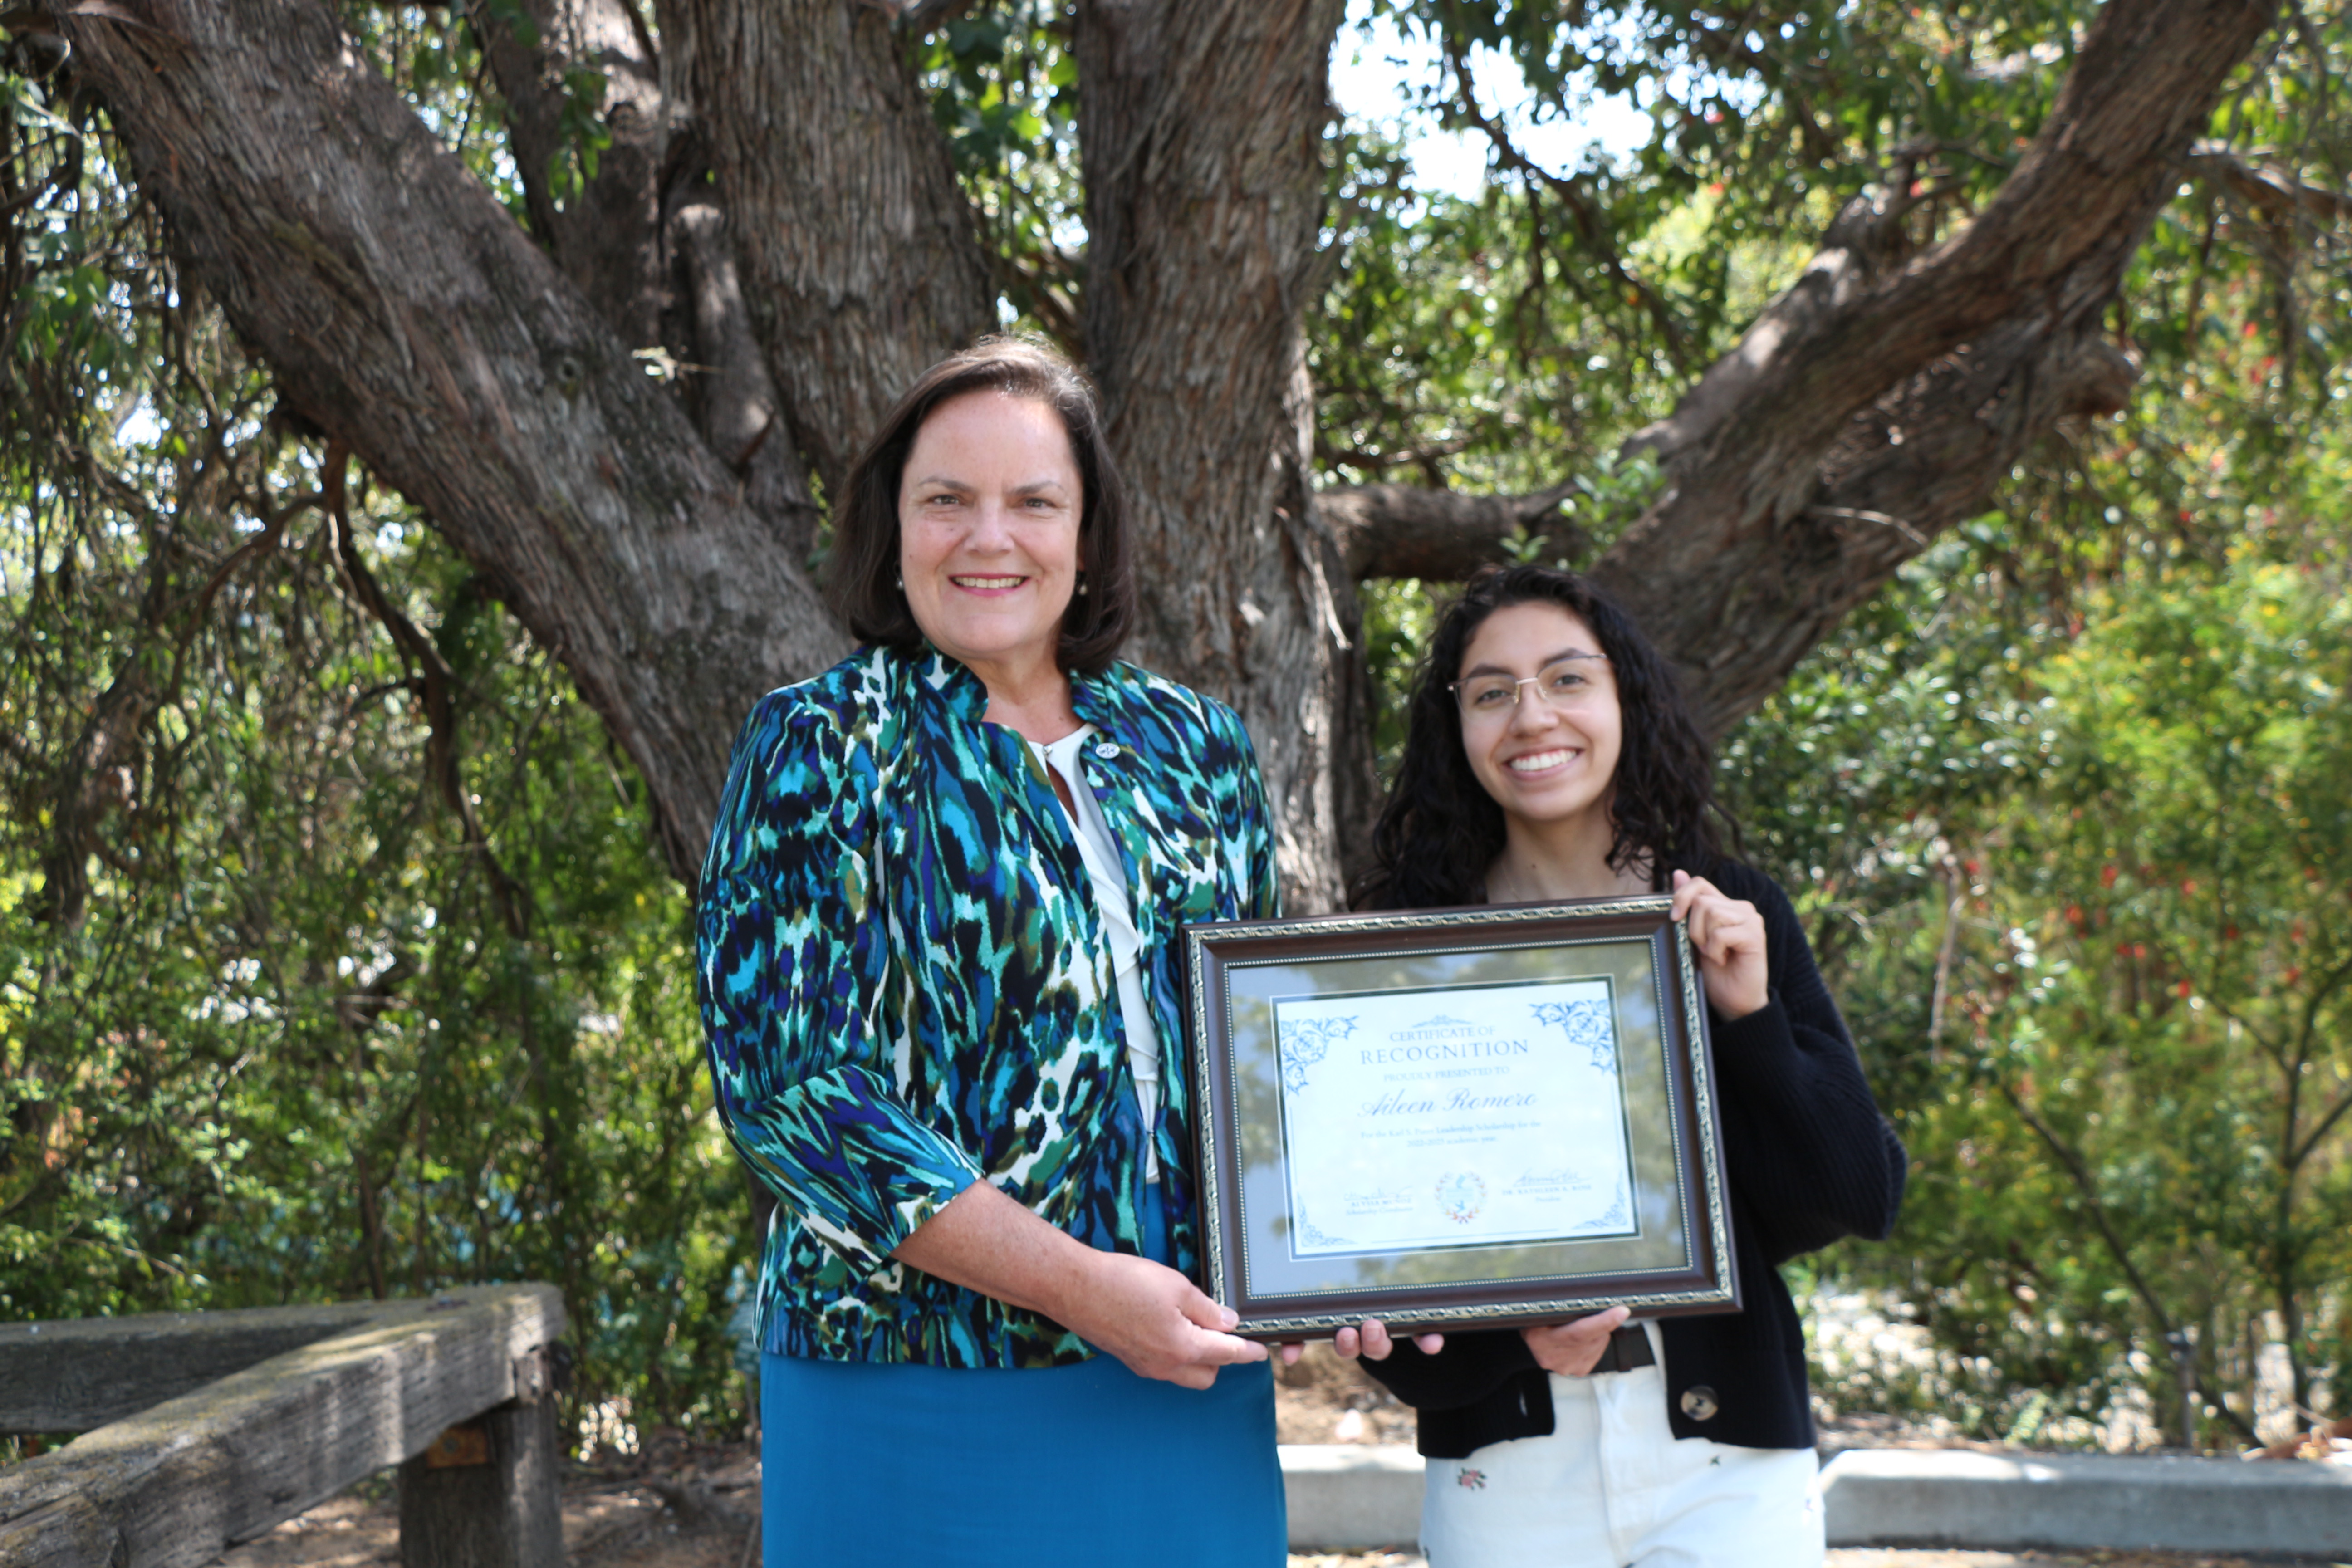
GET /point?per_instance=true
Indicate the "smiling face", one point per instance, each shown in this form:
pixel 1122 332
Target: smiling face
pixel 989 508
pixel 1549 758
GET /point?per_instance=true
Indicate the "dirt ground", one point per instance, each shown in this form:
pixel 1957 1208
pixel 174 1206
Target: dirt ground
pixel 658 1521
pixel 678 1506
pixel 683 1505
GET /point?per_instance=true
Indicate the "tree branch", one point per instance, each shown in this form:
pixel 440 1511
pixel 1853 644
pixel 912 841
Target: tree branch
pixel 91 781
pixel 1590 225
pixel 2080 1177
pixel 2272 1048
pixel 2267 187
pixel 735 400
pixel 1047 288
pixel 1908 386
pixel 1407 531
pixel 405 313
pixel 2328 1119
pixel 273 520
pixel 511 898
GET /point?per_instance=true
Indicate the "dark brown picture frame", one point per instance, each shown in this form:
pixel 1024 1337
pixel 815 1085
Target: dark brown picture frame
pixel 1672 1254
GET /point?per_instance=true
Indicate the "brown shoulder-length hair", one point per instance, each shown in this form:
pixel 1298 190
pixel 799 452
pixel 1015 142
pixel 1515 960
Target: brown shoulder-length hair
pixel 863 571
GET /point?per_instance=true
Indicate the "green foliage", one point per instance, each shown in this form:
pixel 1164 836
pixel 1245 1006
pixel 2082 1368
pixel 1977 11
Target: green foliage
pixel 2153 989
pixel 1436 358
pixel 1004 90
pixel 2073 874
pixel 585 135
pixel 1397 615
pixel 278 1022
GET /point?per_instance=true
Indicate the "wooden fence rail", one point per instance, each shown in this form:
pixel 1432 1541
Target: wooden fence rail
pixel 200 1430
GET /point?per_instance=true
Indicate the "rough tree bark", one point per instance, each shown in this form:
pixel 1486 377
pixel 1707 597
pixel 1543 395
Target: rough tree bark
pixel 726 382
pixel 857 249
pixel 608 238
pixel 402 309
pixel 1202 128
pixel 645 237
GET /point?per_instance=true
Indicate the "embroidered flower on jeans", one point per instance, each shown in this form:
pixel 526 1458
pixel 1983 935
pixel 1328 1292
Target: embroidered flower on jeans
pixel 1474 1480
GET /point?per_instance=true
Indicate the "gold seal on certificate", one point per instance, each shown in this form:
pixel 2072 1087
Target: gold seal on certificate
pixel 1455 1117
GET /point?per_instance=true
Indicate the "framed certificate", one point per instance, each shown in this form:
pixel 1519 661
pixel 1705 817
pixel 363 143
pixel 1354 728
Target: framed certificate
pixel 1457 1118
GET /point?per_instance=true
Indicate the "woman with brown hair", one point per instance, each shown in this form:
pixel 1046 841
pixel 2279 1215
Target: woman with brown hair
pixel 939 977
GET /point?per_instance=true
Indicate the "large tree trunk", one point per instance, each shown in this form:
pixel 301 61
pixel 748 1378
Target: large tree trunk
pixel 857 249
pixel 402 309
pixel 1202 128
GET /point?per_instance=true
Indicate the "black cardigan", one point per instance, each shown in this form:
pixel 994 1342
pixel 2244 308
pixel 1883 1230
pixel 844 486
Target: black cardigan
pixel 1807 1159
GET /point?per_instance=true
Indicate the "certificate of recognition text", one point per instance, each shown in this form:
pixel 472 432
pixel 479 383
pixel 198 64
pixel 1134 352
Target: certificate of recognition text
pixel 1417 1119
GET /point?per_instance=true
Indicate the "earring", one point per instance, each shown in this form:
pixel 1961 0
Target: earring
pixel 899 583
pixel 1082 584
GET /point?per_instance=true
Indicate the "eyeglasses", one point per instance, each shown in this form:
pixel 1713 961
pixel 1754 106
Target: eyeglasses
pixel 1560 684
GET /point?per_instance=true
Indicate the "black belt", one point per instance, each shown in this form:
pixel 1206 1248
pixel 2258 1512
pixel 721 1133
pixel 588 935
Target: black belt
pixel 1628 1348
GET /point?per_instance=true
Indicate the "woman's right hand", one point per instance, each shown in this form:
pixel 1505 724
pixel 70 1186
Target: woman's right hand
pixel 1571 1349
pixel 1147 1315
pixel 1156 1321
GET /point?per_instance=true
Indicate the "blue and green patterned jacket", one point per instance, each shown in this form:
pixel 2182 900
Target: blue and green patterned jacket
pixel 906 987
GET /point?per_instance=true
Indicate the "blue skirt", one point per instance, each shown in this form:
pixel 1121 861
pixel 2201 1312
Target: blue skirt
pixel 1073 1466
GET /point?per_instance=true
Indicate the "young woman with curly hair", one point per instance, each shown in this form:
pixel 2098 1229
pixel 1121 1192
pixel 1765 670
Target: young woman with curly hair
pixel 1549 755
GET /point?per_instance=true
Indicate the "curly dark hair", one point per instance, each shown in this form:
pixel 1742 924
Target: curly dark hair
pixel 863 571
pixel 1440 830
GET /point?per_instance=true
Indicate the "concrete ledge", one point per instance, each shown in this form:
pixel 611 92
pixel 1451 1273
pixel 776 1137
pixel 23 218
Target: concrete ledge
pixel 1909 1497
pixel 1351 1496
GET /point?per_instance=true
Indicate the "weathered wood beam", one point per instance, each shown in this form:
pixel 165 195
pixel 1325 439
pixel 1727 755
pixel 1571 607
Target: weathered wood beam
pixel 487 1495
pixel 181 1482
pixel 81 1374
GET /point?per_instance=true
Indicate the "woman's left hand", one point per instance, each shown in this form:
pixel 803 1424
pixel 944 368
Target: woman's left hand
pixel 1572 1349
pixel 1727 934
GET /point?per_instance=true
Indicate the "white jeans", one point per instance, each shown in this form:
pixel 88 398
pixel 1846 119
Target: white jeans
pixel 1611 1488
